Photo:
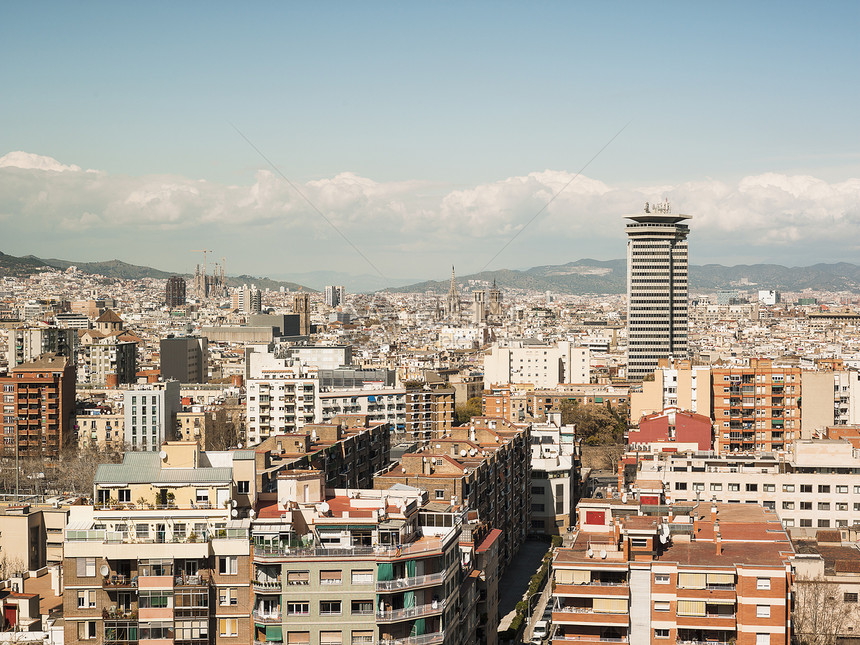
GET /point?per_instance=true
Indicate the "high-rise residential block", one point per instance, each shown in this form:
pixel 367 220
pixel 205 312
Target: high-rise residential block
pixel 185 359
pixel 656 288
pixel 174 292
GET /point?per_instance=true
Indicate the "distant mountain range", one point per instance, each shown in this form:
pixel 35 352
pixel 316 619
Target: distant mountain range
pixel 610 277
pixel 30 264
pixel 580 277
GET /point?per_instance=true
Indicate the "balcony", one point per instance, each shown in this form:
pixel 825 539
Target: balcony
pixel 587 616
pixel 407 583
pixel 585 639
pixel 119 582
pixel 409 613
pixel 424 545
pixel 265 586
pixel 267 617
pixel 424 639
pixel 199 580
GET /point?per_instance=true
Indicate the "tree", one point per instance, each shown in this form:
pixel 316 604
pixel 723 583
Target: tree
pixel 464 413
pixel 820 615
pixel 595 424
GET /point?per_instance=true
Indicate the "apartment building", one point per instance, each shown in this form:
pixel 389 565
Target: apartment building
pixel 675 384
pixel 555 469
pixel 672 429
pixel 184 359
pixel 101 430
pixel 25 344
pixel 149 414
pixel 356 566
pixel 756 407
pixel 517 405
pixel 163 555
pixel 282 396
pixel 429 412
pixel 485 466
pixel 536 363
pixel 106 360
pixel 652 573
pixel 347 452
pixel 809 489
pixel 38 407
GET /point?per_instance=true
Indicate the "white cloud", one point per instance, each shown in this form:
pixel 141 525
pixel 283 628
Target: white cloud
pixel 767 214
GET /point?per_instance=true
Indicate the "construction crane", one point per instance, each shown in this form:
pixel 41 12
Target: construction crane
pixel 204 252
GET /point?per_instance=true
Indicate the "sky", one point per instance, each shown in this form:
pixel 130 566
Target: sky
pixel 399 139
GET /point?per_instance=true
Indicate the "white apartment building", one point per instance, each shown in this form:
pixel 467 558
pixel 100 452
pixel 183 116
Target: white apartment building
pixel 542 365
pixel 149 414
pixel 26 344
pixel 383 405
pixel 282 396
pixel 554 476
pixel 815 487
pixel 656 288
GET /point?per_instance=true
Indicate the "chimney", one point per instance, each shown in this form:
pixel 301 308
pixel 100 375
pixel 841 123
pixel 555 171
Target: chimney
pixel 714 513
pixel 719 542
pixel 620 475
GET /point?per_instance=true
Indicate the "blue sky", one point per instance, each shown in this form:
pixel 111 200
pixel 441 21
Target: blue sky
pixel 429 133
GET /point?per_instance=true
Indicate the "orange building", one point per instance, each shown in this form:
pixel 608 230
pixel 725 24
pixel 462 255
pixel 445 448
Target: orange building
pixel 673 574
pixel 38 404
pixel 756 407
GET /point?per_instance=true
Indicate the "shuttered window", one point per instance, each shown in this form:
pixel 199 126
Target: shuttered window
pixel 572 577
pixel 297 577
pixel 691 607
pixel 691 580
pixel 721 578
pixel 330 577
pixel 610 605
pixel 331 638
pixel 298 638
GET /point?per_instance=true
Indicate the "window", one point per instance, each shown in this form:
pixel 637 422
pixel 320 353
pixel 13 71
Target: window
pixel 331 577
pixel 824 524
pixel 228 565
pixel 661 578
pixel 734 487
pixel 752 488
pixel 770 505
pixel 806 488
pixel 640 543
pixel 362 607
pixel 762 639
pixel 680 485
pixel 228 627
pixel 769 488
pixel 842 490
pixel 661 633
pixel 124 495
pixel 202 496
pixel 857 490
pixel 142 530
pixel 806 523
pixel 227 596
pixel 762 583
pixel 762 611
pixel 850 597
pixel 716 487
pixel 87 630
pixel 823 506
pixel 298 578
pixel 329 607
pixel 788 488
pixel 362 637
pixel 805 506
pixel 362 577
pixel 192 630
pixel 661 605
pixel 298 608
pixel 440 494
pixel 788 523
pixel 331 638
pixel 86 567
pixel 823 488
pixel 243 487
pixel 86 599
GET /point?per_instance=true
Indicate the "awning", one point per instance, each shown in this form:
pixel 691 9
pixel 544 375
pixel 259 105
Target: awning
pixel 274 633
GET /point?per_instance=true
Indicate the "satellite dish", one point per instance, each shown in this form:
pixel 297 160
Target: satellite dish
pixel 624 498
pixel 438 446
pixel 104 569
pixel 663 539
pixel 234 513
pixel 602 554
pixel 403 470
pixel 324 507
pixel 163 455
pixel 234 503
pixel 403 508
pixel 463 453
pixel 239 445
pixel 251 513
pixel 590 553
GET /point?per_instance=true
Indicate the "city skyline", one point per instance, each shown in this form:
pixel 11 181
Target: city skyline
pixel 426 135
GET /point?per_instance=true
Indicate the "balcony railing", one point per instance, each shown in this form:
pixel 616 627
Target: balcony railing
pixel 424 639
pixel 411 612
pixel 267 617
pixel 267 585
pixel 404 583
pixel 425 545
pixel 588 610
pixel 598 639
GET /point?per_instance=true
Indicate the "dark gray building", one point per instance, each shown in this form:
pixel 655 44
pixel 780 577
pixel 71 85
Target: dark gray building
pixel 185 359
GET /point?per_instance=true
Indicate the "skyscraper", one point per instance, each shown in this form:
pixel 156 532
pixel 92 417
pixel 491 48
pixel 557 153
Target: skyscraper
pixel 656 288
pixel 175 291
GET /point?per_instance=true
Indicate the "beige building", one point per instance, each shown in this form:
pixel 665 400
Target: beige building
pixel 679 384
pixel 101 431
